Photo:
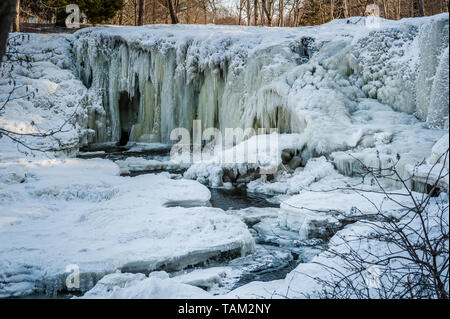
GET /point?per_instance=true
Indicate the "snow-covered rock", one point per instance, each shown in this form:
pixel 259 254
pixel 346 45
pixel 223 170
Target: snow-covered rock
pixel 322 214
pixel 138 164
pixel 204 278
pixel 357 239
pixel 129 286
pixel 46 96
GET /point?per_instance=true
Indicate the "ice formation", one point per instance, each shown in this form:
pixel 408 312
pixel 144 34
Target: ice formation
pixel 154 79
pixel 341 86
pixel 301 282
pixel 341 94
pixel 48 96
pixel 314 215
pixel 157 285
pixel 81 212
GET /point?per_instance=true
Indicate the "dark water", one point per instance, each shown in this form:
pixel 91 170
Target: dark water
pixel 272 259
pixel 119 153
pixel 116 152
pixel 238 198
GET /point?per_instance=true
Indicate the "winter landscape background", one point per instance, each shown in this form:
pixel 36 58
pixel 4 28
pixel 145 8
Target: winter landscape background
pixel 355 204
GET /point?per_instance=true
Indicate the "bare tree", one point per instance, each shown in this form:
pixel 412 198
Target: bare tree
pixel 14 58
pixel 240 10
pixel 213 6
pixel 290 13
pixel 332 9
pixel 281 13
pixel 414 260
pixel 249 12
pixel 421 8
pixel 172 12
pixel 255 10
pixel 346 11
pixel 141 12
pixel 267 6
pixel 7 11
pixel 16 19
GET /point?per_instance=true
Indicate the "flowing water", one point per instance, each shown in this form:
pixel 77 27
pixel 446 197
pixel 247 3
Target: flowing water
pixel 277 252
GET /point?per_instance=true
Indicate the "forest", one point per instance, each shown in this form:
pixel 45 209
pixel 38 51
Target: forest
pixel 272 13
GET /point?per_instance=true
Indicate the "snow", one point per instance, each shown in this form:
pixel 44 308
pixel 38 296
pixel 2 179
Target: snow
pixel 341 95
pixel 381 136
pixel 303 283
pixel 56 96
pixel 128 286
pixel 438 152
pixel 260 154
pixel 81 212
pixel 204 278
pixel 316 169
pixel 254 215
pixel 136 164
pixel 300 80
pixel 314 215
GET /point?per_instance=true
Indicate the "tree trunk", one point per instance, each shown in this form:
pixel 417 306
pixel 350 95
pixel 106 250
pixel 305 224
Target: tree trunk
pixel 295 13
pixel 281 12
pixel 241 7
pixel 268 14
pixel 173 15
pixel 346 13
pixel 249 13
pixel 135 12
pixel 256 12
pixel 121 17
pixel 421 10
pixel 16 20
pixel 153 12
pixel 214 10
pixel 385 9
pixel 332 9
pixel 205 12
pixel 141 12
pixel 262 15
pixel 7 9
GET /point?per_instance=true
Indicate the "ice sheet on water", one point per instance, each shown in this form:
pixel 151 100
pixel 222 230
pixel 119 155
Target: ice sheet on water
pixel 82 212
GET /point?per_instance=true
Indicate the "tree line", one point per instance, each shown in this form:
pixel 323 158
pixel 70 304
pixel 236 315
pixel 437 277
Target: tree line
pixel 280 13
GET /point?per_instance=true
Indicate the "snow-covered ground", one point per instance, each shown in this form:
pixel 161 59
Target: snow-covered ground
pixel 343 95
pixel 63 212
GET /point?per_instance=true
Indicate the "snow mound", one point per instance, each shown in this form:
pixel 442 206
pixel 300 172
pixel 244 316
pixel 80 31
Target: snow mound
pixel 137 164
pixel 129 286
pixel 322 214
pixel 204 278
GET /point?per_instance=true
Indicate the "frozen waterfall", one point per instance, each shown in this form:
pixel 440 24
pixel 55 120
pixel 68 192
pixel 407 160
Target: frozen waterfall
pixel 146 81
